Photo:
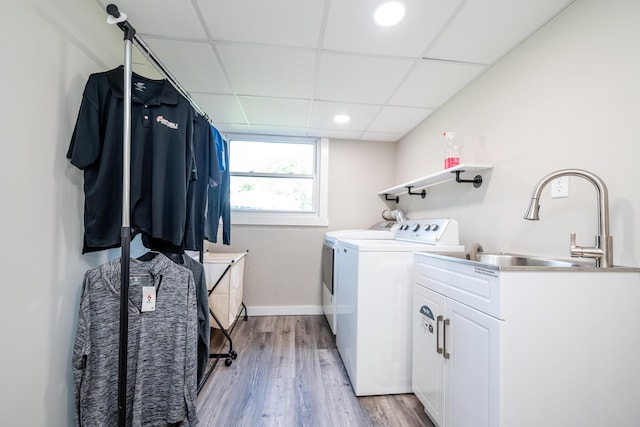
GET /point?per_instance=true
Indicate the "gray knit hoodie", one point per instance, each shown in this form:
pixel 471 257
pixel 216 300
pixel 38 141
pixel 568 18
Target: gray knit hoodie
pixel 162 357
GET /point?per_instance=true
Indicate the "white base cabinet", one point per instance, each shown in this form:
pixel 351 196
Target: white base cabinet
pixel 455 358
pixel 525 348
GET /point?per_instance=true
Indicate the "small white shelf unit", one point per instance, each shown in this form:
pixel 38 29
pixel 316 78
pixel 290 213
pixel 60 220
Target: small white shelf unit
pixel 392 194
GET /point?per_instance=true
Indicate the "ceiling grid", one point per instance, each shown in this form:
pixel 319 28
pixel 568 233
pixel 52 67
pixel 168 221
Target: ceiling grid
pixel 286 67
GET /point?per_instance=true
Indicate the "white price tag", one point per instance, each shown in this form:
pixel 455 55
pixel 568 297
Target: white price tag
pixel 148 298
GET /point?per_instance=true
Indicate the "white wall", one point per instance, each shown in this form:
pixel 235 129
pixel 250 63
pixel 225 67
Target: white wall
pixel 568 97
pixel 48 49
pixel 282 269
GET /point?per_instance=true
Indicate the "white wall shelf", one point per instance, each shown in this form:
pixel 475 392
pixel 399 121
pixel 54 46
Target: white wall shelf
pixel 458 173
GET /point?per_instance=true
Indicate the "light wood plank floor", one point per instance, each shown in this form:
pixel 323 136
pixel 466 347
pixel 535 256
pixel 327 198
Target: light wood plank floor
pixel 288 373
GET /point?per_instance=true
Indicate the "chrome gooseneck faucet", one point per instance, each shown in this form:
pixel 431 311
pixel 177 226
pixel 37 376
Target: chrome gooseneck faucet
pixel 602 252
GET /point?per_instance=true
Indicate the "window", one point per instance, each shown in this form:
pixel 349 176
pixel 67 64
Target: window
pixel 278 180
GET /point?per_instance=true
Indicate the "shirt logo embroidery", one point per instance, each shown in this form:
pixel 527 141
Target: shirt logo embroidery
pixel 166 122
pixel 139 86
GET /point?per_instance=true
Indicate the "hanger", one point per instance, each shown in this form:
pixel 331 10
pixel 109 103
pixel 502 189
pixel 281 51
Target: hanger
pixel 177 258
pixel 148 256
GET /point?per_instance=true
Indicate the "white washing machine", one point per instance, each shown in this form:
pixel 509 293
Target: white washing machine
pixel 373 302
pixel 383 230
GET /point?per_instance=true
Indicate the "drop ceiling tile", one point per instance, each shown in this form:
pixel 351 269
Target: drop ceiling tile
pixel 398 119
pixel 479 34
pixel 166 18
pixel 333 133
pixel 226 128
pixel 322 114
pixel 142 65
pixel 381 136
pixel 275 111
pixel 220 108
pixel 262 71
pixel 350 27
pixel 276 22
pixel 280 130
pixel 193 64
pixel 432 83
pixel 363 79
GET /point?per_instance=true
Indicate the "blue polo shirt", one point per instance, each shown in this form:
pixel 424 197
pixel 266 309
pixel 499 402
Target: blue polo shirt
pixel 218 198
pixel 162 159
pixel 208 177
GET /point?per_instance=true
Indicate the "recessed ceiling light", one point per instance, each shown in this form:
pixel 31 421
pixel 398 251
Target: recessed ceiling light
pixel 389 13
pixel 342 118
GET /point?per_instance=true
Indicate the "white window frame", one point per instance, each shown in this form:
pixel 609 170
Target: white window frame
pixel 317 218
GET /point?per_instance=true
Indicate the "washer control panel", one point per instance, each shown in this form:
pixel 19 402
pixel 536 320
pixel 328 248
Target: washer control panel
pixel 434 231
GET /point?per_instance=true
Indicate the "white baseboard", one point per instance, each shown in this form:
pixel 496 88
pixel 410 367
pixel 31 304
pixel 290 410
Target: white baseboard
pixel 288 310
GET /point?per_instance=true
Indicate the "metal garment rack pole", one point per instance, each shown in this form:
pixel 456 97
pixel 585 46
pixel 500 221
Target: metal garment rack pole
pixel 130 35
pixel 125 232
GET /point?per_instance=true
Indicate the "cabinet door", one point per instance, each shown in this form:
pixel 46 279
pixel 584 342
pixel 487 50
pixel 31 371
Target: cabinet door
pixel 428 310
pixel 472 372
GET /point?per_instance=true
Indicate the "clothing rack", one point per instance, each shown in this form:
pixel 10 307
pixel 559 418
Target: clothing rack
pixel 130 35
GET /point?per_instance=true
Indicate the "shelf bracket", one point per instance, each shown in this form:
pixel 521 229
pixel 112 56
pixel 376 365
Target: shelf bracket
pixel 477 180
pixel 422 193
pixel 394 199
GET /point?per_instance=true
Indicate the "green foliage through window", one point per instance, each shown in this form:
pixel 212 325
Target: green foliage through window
pixel 273 175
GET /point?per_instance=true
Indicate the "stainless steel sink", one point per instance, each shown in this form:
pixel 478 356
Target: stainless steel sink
pixel 515 260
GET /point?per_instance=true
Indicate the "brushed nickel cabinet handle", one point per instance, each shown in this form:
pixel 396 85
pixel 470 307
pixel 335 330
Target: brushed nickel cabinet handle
pixel 444 339
pixel 438 348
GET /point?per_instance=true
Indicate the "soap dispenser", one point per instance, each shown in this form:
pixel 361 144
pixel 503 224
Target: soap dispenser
pixel 452 152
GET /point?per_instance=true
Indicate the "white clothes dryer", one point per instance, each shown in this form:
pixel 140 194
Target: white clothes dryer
pixel 374 299
pixel 383 230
